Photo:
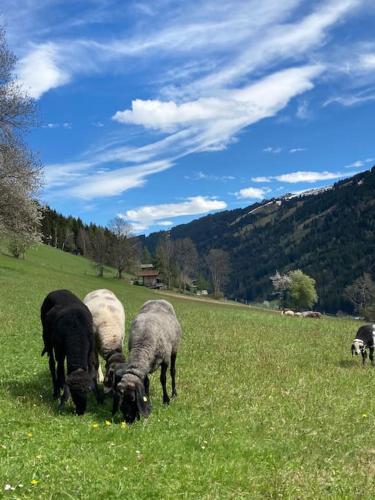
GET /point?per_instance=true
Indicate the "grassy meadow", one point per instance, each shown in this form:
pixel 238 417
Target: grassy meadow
pixel 268 406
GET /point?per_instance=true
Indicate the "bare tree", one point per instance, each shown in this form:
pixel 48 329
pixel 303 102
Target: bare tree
pixel 99 250
pixel 165 258
pixel 20 172
pixel 124 247
pixel 83 241
pixel 361 293
pixel 219 267
pixel 186 257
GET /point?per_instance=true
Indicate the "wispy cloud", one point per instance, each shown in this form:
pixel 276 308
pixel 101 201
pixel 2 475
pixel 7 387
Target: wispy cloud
pixel 303 176
pixel 225 66
pixel 57 125
pixel 143 217
pixel 199 176
pixel 77 179
pixel 296 150
pixel 360 163
pixel 273 150
pixel 352 99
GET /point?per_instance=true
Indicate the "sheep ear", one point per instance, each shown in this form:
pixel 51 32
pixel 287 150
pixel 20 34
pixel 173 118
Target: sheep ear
pixel 143 403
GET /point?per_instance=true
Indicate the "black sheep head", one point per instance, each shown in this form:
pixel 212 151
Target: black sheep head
pixel 133 400
pixel 113 376
pixel 79 383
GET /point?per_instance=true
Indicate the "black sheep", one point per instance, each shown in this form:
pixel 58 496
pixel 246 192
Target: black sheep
pixel 365 339
pixel 68 332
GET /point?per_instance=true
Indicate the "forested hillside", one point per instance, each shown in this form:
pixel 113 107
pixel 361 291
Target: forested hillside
pixel 329 234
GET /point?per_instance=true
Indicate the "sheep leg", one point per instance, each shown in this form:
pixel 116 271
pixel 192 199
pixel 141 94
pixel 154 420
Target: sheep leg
pixel 64 397
pixel 147 386
pixel 52 369
pixel 60 373
pixel 163 381
pixel 364 356
pixel 173 374
pixel 371 356
pixel 98 395
pixel 100 374
pixel 116 402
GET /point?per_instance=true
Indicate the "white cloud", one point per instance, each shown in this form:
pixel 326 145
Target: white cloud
pixel 214 121
pixel 305 176
pixel 309 176
pixel 273 150
pixel 303 112
pixel 115 182
pixel 143 217
pixel 367 61
pixel 276 42
pixel 360 163
pixel 164 223
pixel 252 193
pixel 261 179
pixel 296 150
pixel 77 179
pixel 356 164
pixel 198 176
pixel 40 71
pixel 350 100
pixel 57 125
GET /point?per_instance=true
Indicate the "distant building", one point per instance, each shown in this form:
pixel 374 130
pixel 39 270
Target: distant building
pixel 148 276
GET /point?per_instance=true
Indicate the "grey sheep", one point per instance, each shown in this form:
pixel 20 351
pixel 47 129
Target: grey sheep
pixel 153 341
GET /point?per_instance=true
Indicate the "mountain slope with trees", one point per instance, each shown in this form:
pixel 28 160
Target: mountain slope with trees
pixel 327 233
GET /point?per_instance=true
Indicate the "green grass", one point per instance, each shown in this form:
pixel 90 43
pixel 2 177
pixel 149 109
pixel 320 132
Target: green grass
pixel 268 406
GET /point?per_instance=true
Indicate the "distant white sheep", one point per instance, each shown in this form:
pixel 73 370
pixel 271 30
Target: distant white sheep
pixel 288 312
pixel 109 328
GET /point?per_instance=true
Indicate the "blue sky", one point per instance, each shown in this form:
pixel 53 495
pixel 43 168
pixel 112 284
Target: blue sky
pixel 163 111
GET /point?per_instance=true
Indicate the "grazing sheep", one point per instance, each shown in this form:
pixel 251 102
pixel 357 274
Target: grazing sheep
pixel 312 314
pixel 288 312
pixel 153 341
pixel 365 339
pixel 67 332
pixel 298 314
pixel 109 326
pixel 114 376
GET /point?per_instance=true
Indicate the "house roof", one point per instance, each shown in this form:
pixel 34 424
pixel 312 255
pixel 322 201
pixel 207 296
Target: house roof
pixel 148 273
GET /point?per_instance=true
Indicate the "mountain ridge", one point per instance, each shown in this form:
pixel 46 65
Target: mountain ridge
pixel 328 232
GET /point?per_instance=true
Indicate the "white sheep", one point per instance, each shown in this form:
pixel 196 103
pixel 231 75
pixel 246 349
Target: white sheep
pixel 109 328
pixel 288 312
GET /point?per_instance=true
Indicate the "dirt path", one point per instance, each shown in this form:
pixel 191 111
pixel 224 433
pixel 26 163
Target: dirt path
pixel 209 301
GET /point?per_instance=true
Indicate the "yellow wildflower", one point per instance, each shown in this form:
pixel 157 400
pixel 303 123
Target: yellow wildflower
pixel 34 482
pixel 123 425
pixel 30 434
pixel 94 425
pixel 108 423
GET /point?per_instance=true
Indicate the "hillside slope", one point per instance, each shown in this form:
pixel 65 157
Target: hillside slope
pixel 244 417
pixel 328 233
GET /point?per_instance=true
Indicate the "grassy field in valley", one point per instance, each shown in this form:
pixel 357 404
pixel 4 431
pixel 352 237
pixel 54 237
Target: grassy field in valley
pixel 268 406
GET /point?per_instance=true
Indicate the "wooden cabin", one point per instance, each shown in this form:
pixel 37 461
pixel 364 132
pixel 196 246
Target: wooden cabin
pixel 148 276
